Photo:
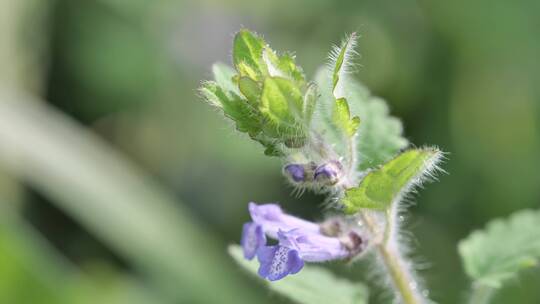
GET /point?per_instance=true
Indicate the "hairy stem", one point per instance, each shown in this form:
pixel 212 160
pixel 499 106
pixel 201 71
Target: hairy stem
pixel 481 294
pixel 405 286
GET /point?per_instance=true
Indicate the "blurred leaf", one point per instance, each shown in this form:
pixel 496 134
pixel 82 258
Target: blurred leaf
pixel 497 253
pixel 107 61
pixel 115 201
pixel 312 285
pixel 386 185
pixel 342 118
pixel 31 271
pixel 24 275
pixel 23 47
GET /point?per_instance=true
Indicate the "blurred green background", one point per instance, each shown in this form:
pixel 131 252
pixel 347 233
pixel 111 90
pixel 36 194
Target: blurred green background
pixel 118 185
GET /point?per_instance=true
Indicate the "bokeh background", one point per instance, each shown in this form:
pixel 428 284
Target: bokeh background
pixel 118 185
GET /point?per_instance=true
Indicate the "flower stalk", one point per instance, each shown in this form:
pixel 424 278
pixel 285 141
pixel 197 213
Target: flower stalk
pixel 404 285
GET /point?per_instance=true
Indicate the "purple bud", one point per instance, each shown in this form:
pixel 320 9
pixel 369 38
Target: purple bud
pixel 295 172
pixel 328 173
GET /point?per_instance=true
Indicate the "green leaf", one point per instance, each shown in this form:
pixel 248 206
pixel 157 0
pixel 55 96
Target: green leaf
pixel 342 117
pixel 288 64
pixel 233 106
pixel 250 89
pixel 272 147
pixel 497 253
pixel 341 57
pixel 282 104
pixel 310 102
pixel 223 75
pixel 312 285
pixel 283 66
pixel 247 54
pixel 380 135
pixel 382 187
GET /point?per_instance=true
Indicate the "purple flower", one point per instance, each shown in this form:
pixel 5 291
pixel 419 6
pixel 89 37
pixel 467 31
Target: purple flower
pixel 278 262
pixel 272 219
pixel 295 172
pixel 252 238
pixel 328 173
pixel 313 247
pixel 299 241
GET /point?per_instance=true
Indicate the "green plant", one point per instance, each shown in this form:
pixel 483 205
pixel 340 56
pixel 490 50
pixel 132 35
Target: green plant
pixel 335 138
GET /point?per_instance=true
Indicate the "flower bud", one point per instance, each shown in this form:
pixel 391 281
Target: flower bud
pixel 329 173
pixel 295 172
pixel 354 243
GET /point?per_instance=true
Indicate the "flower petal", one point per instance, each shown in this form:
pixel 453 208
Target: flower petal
pixel 272 219
pixel 278 262
pixel 313 247
pixel 252 238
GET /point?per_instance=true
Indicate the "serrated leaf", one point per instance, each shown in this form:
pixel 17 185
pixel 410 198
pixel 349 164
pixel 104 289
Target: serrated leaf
pixel 382 187
pixel 341 116
pixel 312 285
pixel 247 54
pixel 282 104
pixel 380 135
pixel 341 57
pixel 233 107
pixel 497 253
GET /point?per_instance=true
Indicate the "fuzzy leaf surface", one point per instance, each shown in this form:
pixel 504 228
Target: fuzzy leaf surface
pixel 233 107
pixel 341 57
pixel 283 66
pixel 223 76
pixel 379 135
pixel 282 104
pixel 381 187
pixel 342 117
pixel 247 54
